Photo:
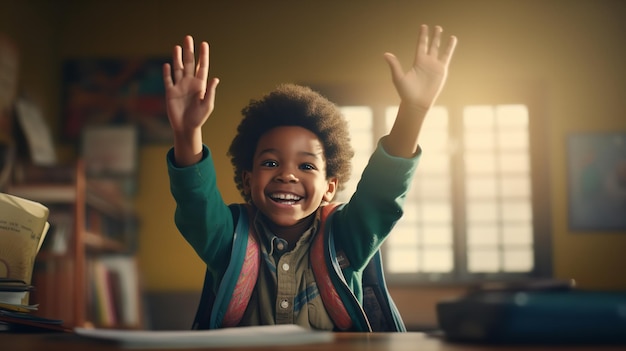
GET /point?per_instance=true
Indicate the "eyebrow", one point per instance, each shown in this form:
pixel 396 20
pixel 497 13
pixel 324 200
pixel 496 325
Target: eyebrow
pixel 318 155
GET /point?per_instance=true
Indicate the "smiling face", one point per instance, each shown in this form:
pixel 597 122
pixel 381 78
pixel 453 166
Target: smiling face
pixel 288 180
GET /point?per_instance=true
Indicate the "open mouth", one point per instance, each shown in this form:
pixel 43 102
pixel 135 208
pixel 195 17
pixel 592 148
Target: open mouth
pixel 284 198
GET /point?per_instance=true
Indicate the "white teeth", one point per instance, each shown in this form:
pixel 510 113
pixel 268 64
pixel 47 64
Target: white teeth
pixel 286 197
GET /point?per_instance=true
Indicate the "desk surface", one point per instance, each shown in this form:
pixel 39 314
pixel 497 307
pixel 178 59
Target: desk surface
pixel 342 342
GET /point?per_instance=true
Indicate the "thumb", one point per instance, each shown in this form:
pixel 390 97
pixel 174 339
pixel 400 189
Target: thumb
pixel 209 97
pixel 212 85
pixel 394 65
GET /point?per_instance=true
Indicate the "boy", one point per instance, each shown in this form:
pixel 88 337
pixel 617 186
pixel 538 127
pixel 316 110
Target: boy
pixel 288 256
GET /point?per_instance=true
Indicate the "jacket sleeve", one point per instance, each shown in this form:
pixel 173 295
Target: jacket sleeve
pixel 201 215
pixel 377 204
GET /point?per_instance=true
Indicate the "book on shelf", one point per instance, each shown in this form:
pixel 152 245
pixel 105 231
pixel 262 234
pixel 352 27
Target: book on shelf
pixel 114 296
pixel 29 173
pixel 53 278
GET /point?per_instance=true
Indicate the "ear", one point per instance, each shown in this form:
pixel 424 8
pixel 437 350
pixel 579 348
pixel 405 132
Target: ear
pixel 245 177
pixel 332 188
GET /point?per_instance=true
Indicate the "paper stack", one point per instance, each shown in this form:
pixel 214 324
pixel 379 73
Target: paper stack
pixel 23 227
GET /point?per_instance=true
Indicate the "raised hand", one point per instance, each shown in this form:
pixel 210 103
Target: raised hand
pixel 189 95
pixel 421 84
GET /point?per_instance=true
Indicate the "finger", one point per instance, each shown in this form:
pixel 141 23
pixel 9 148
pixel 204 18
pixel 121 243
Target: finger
pixel 394 65
pixel 434 45
pixel 422 43
pixel 449 51
pixel 177 62
pixel 202 70
pixel 188 57
pixel 167 76
pixel 209 101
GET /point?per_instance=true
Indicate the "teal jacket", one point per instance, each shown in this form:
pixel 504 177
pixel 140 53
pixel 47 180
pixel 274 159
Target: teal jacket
pixel 357 230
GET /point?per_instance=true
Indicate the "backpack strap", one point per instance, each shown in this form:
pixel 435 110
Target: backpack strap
pixel 244 265
pixel 381 311
pixel 330 297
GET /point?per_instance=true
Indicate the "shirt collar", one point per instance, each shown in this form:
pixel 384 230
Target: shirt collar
pixel 275 245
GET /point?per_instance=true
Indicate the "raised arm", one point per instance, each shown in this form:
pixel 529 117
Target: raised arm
pixel 418 89
pixel 190 98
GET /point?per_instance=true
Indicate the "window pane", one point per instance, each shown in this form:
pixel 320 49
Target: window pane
pixel 434 140
pixel 411 212
pixel 480 163
pixel 478 117
pixel 403 236
pixel 482 139
pixel 515 186
pixel 518 259
pixel 521 234
pixel 483 261
pixel 485 235
pixel 432 187
pixel 361 141
pixel 402 261
pixel 516 211
pixel 358 117
pixel 390 116
pixel 514 162
pixel 483 187
pixel 434 163
pixel 481 211
pixel 428 210
pixel 437 212
pixel 437 235
pixel 513 139
pixel 437 118
pixel 512 116
pixel 497 189
pixel 438 260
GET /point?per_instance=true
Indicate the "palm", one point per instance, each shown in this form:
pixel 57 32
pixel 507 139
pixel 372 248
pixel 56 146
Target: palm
pixel 184 103
pixel 421 84
pixel 189 99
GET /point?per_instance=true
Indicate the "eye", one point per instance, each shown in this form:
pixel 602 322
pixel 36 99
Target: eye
pixel 308 166
pixel 269 163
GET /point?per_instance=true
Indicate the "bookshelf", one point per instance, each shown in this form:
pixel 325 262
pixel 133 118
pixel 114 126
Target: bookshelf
pixel 86 272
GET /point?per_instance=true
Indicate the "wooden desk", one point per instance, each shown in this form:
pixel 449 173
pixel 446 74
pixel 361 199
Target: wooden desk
pixel 342 342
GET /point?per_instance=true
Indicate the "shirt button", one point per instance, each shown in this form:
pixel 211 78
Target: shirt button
pixel 280 246
pixel 284 304
pixel 285 266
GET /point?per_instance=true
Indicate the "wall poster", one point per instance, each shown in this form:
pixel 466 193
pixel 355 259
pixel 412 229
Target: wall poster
pixel 106 92
pixel 597 181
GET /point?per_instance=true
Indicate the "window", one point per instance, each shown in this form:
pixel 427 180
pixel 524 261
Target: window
pixel 475 208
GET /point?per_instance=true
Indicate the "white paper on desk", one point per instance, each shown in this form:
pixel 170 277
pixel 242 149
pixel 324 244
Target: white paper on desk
pixel 268 335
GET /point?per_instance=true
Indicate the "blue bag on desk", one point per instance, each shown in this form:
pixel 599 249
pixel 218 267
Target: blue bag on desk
pixel 559 316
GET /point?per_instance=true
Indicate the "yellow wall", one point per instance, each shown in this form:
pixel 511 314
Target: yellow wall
pixel 572 50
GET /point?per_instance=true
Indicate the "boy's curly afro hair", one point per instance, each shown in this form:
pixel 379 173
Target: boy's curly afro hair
pixel 293 105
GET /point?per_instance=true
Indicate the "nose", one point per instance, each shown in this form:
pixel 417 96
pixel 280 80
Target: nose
pixel 286 176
